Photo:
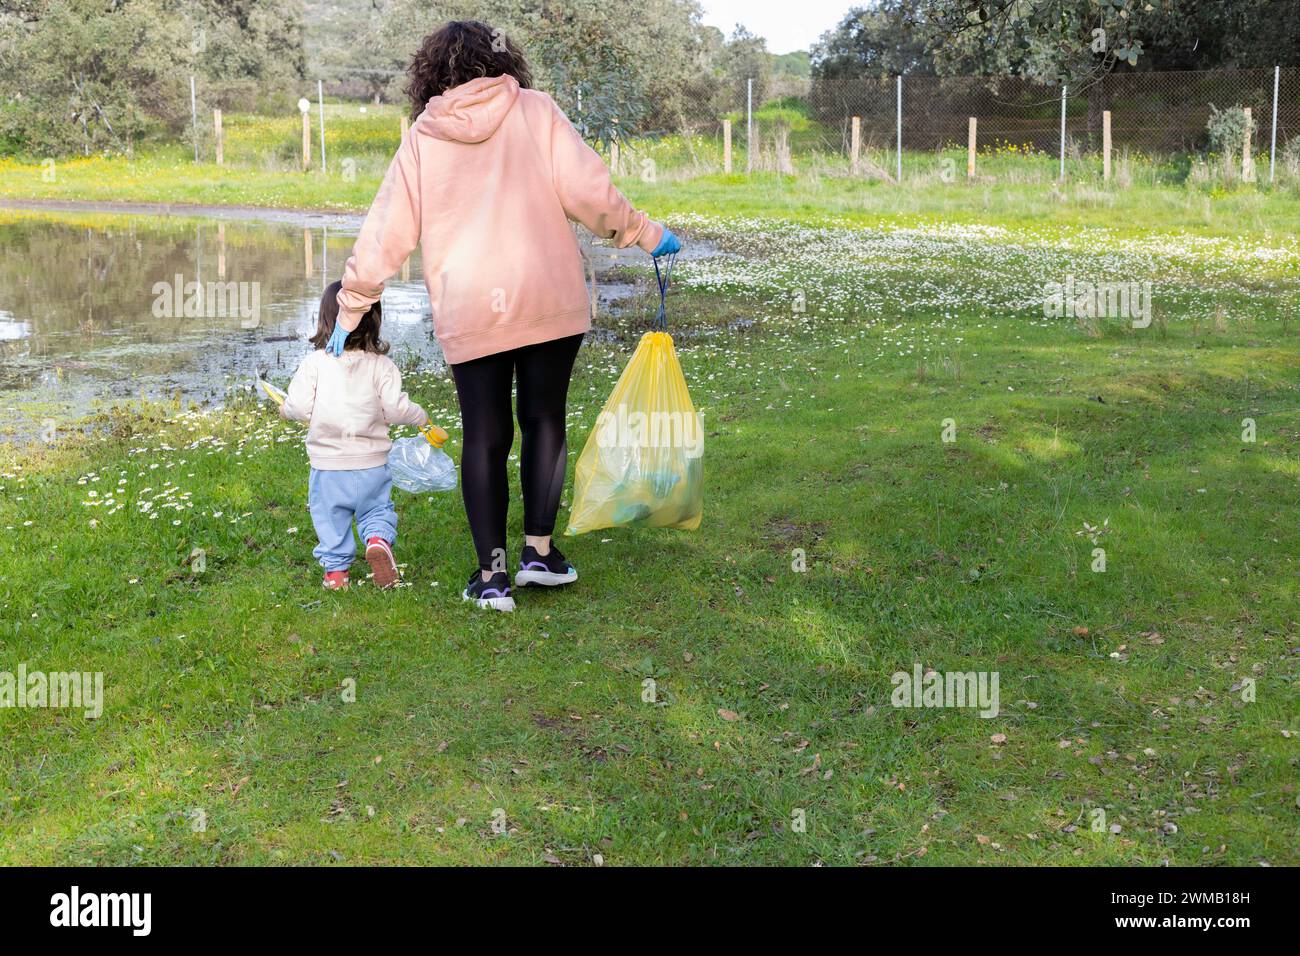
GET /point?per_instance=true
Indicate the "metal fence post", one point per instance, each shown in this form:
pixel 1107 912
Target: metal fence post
pixel 1272 149
pixel 749 125
pixel 1064 88
pixel 898 122
pixel 726 146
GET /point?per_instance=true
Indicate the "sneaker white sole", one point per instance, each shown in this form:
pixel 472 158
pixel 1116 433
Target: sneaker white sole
pixel 545 578
pixel 495 604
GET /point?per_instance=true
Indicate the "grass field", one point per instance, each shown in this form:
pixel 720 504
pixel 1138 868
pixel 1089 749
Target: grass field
pixel 847 327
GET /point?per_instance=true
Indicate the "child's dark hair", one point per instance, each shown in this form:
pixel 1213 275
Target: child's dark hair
pixel 365 336
pixel 458 52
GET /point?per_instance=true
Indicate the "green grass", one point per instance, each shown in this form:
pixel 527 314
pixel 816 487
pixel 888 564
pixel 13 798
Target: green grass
pixel 674 175
pixel 1120 691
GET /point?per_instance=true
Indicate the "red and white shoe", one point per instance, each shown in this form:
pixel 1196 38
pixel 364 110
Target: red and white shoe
pixel 335 581
pixel 379 555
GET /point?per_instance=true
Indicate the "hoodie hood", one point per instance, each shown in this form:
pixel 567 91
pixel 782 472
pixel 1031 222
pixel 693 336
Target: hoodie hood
pixel 471 112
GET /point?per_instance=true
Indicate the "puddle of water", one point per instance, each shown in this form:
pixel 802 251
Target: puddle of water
pixel 97 308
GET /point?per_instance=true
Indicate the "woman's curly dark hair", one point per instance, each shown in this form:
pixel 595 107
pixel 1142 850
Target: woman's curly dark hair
pixel 458 52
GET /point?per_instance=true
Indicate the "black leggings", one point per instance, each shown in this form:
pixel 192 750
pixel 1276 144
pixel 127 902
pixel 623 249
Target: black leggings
pixel 483 387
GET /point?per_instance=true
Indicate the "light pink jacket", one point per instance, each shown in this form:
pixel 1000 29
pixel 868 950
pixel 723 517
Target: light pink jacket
pixel 486 181
pixel 348 403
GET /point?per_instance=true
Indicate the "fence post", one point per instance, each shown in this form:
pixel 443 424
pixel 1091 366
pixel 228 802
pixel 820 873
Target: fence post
pixel 1064 88
pixel 1247 157
pixel 749 125
pixel 1105 145
pixel 726 146
pixel 194 118
pixel 1272 149
pixel 613 156
pixel 970 150
pixel 306 140
pixel 320 100
pixel 216 129
pixel 855 144
pixel 898 122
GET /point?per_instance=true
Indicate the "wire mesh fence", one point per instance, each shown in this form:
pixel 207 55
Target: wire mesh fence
pixel 1150 112
pixel 1162 115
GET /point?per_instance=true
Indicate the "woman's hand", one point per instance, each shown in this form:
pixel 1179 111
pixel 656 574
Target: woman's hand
pixel 337 339
pixel 668 245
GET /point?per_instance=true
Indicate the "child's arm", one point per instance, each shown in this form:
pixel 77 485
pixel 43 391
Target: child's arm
pixel 397 407
pixel 302 394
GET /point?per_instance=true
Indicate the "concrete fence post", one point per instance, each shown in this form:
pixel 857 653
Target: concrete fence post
pixel 306 141
pixel 1105 145
pixel 1247 156
pixel 970 149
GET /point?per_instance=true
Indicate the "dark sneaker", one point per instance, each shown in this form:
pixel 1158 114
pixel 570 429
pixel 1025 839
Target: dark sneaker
pixel 549 570
pixel 493 593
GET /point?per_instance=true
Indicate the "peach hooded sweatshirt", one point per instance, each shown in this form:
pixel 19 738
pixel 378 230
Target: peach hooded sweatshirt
pixel 486 181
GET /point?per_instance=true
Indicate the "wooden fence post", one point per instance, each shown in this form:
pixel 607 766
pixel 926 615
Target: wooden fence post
pixel 726 145
pixel 220 140
pixel 306 142
pixel 1105 145
pixel 614 158
pixel 1247 157
pixel 855 144
pixel 970 150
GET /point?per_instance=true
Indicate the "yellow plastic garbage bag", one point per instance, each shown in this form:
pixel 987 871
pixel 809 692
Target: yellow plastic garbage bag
pixel 643 463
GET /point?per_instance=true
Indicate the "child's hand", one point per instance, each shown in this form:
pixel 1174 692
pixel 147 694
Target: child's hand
pixel 337 339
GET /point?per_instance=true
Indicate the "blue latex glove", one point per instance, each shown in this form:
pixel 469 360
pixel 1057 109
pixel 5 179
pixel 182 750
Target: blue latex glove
pixel 335 345
pixel 668 245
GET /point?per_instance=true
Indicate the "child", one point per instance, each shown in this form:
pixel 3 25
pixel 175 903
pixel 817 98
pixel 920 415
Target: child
pixel 349 402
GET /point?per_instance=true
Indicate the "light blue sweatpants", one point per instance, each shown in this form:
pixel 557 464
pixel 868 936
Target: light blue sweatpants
pixel 335 498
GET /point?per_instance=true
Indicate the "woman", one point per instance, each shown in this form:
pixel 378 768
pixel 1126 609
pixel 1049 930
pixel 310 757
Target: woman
pixel 485 181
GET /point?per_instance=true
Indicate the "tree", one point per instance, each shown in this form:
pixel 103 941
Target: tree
pixel 82 76
pixel 98 75
pixel 880 41
pixel 1067 41
pixel 634 64
pixel 742 58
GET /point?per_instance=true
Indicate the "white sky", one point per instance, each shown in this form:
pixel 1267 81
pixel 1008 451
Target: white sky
pixel 787 25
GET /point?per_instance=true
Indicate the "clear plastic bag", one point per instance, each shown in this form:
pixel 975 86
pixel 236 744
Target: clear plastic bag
pixel 643 463
pixel 419 464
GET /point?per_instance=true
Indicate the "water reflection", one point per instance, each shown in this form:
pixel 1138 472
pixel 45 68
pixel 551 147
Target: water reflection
pixel 102 307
